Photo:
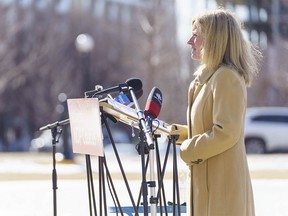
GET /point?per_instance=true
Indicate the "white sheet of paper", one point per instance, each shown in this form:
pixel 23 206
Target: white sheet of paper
pixel 85 124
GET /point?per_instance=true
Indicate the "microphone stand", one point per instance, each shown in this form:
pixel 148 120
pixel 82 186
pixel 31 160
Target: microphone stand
pixel 54 130
pixel 149 141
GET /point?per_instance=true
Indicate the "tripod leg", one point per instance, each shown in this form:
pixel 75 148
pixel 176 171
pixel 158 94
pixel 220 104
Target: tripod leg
pixel 140 192
pixel 104 117
pixel 163 172
pixel 175 178
pixel 102 185
pixel 160 181
pixel 88 164
pixel 110 183
pixel 91 193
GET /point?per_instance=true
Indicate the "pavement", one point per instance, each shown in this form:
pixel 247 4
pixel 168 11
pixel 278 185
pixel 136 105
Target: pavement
pixel 26 186
pixel 38 166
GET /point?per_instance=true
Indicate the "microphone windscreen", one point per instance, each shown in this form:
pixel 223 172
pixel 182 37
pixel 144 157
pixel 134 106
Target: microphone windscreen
pixel 138 94
pixel 154 103
pixel 135 83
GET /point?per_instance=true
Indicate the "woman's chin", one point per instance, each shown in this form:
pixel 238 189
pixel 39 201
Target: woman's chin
pixel 195 57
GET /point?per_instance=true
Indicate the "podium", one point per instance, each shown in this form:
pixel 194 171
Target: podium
pixel 128 116
pixel 109 108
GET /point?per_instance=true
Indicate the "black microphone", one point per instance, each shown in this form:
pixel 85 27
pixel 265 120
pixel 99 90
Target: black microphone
pixel 153 104
pixel 134 83
pixel 138 94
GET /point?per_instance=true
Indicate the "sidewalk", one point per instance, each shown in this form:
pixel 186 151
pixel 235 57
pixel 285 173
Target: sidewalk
pixel 32 166
pixel 268 166
pixel 26 187
pixel 25 166
pixel 28 166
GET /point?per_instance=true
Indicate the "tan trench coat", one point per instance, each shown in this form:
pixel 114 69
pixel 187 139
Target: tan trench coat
pixel 212 145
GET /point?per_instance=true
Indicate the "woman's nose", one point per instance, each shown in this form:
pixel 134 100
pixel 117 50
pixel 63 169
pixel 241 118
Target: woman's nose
pixel 189 41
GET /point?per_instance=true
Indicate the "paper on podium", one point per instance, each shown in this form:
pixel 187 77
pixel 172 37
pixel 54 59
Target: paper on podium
pixel 85 123
pixel 128 115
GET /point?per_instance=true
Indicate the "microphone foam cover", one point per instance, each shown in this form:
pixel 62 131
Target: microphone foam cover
pixel 154 103
pixel 138 94
pixel 135 83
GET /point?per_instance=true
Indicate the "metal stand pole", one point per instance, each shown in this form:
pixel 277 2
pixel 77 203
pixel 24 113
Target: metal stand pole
pixel 54 171
pixel 148 139
pixel 55 139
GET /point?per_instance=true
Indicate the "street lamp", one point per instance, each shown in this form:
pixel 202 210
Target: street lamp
pixel 84 44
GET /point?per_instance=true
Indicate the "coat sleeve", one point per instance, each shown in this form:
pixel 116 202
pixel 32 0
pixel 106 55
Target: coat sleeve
pixel 181 130
pixel 229 105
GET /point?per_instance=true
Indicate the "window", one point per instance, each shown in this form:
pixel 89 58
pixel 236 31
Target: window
pixel 271 118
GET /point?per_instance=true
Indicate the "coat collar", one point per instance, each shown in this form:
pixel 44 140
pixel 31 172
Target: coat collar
pixel 203 75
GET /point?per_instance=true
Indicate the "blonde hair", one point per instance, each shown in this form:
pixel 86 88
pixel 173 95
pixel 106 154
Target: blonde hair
pixel 225 45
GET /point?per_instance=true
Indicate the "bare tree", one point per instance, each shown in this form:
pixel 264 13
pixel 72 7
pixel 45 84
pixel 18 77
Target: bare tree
pixel 39 59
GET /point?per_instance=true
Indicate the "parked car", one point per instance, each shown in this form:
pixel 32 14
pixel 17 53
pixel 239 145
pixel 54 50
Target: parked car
pixel 266 129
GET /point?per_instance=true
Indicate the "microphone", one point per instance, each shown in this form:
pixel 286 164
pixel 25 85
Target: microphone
pixel 138 94
pixel 153 104
pixel 152 110
pixel 134 83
